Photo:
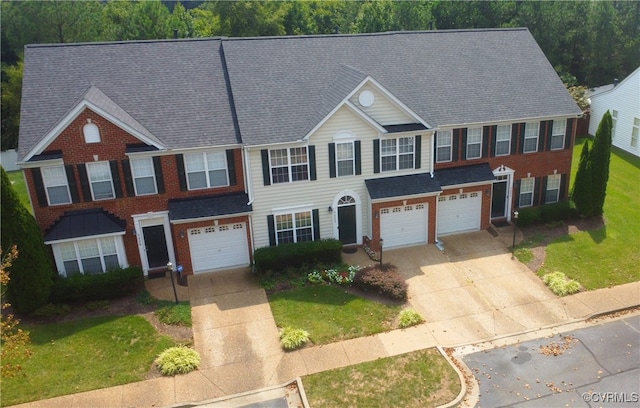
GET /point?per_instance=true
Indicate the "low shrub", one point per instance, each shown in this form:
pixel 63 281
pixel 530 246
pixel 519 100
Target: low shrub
pixel 114 284
pixel 528 216
pixel 383 279
pixel 177 315
pixel 291 339
pixel 560 211
pixel 178 360
pixel 409 317
pixel 50 310
pixel 560 284
pixel 97 305
pixel 278 259
pixel 342 275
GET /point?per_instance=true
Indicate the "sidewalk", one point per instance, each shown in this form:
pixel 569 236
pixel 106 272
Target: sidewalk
pixel 263 366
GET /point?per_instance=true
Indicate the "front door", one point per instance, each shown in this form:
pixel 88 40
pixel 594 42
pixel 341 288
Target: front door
pixel 499 199
pixel 347 224
pixel 155 246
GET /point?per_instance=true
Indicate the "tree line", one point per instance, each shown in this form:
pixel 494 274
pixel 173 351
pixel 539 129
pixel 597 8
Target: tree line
pixel 588 42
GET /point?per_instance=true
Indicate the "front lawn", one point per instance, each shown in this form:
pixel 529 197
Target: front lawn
pixel 84 355
pixel 610 255
pixel 418 379
pixel 330 314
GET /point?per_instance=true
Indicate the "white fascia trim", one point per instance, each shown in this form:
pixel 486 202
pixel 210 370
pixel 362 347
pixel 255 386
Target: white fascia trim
pixel 478 183
pixel 205 148
pixel 62 241
pixel 215 217
pixel 405 197
pixel 292 209
pixel 279 145
pixel 41 163
pixel 507 122
pixel 71 116
pixel 246 173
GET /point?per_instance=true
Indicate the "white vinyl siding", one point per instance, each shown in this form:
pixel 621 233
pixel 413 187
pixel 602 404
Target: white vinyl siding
pixel 474 143
pixel 89 256
pixel 56 186
pixel 557 134
pixel 553 189
pixel 206 170
pixel 503 140
pixel 144 179
pixel 289 165
pixel 444 146
pixel 634 132
pixel 383 110
pixel 531 130
pixel 397 154
pixel 526 192
pixel 100 180
pixel 614 123
pixel 345 159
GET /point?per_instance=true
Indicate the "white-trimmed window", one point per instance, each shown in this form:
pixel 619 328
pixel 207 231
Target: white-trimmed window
pixel 289 164
pixel 294 227
pixel 56 185
pixel 397 154
pixel 444 146
pixel 526 192
pixel 206 170
pixel 345 159
pixel 100 180
pixel 503 140
pixel 531 130
pixel 553 189
pixel 635 132
pixel 91 133
pixel 614 122
pixel 557 134
pixel 88 256
pixel 144 177
pixel 474 143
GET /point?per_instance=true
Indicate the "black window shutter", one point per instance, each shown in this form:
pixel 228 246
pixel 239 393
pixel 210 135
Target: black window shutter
pixel 464 143
pixel 128 178
pixel 494 139
pixel 567 133
pixel 272 230
pixel 455 145
pixel 358 157
pixel 563 187
pixel 332 160
pixel 536 190
pixel 84 182
pixel 518 182
pixel 376 155
pixel 543 197
pixel 157 167
pixel 514 139
pixel 73 186
pixel 486 131
pixel 182 177
pixel 115 176
pixel 312 162
pixel 266 173
pixel 231 168
pixel 316 224
pixel 418 149
pixel 549 131
pixel 36 174
pixel 542 135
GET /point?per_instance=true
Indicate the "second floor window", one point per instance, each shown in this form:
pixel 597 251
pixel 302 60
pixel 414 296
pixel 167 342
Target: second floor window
pixel 144 176
pixel 345 159
pixel 289 164
pixel 503 140
pixel 397 154
pixel 531 137
pixel 100 180
pixel 443 146
pixel 474 143
pixel 56 186
pixel 206 170
pixel 557 134
pixel 526 192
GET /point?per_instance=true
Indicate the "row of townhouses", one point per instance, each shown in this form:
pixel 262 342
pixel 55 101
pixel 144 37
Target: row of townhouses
pixel 199 151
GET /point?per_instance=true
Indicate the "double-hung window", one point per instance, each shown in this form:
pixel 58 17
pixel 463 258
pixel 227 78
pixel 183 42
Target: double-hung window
pixel 397 154
pixel 474 143
pixel 206 170
pixel 503 140
pixel 526 192
pixel 635 132
pixel 89 256
pixel 444 146
pixel 557 134
pixel 144 179
pixel 289 164
pixel 553 189
pixel 100 180
pixel 56 186
pixel 345 159
pixel 294 227
pixel 531 130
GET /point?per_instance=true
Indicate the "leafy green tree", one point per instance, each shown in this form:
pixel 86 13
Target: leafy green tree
pixel 376 17
pixel 10 104
pixel 600 158
pixel 583 184
pixel 136 20
pixel 31 272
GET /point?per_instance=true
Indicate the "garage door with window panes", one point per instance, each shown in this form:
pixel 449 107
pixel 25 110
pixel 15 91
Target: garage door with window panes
pixel 404 225
pixel 459 213
pixel 218 247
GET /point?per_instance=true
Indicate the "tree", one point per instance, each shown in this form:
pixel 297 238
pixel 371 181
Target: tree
pixel 32 272
pixel 582 185
pixel 600 158
pixel 13 338
pixel 10 103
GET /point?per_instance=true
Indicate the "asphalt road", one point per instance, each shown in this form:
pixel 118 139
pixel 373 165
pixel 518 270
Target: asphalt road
pixel 598 366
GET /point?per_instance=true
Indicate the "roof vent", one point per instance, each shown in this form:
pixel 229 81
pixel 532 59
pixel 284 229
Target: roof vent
pixel 615 82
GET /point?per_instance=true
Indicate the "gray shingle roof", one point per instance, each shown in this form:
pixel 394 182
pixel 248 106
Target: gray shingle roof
pixel 210 206
pixel 84 223
pixel 475 173
pixel 402 186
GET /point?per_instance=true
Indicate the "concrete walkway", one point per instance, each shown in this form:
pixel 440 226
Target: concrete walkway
pixel 469 293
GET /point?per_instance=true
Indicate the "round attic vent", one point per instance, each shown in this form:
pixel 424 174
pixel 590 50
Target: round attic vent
pixel 366 98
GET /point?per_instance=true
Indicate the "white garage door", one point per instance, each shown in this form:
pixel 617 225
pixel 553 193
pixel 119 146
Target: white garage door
pixel 405 225
pixel 459 213
pixel 218 247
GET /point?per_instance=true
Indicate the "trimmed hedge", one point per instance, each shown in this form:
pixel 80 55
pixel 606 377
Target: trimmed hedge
pixel 285 256
pixel 547 213
pixel 109 285
pixel 383 279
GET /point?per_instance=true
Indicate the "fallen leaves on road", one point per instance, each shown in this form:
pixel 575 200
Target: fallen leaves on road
pixel 556 349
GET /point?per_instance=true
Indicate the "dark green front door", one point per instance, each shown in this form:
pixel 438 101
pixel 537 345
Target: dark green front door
pixel 498 200
pixel 156 246
pixel 347 224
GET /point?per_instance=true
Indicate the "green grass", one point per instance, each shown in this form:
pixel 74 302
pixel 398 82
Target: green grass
pixel 610 255
pixel 419 379
pixel 330 314
pixel 20 186
pixel 175 314
pixel 84 355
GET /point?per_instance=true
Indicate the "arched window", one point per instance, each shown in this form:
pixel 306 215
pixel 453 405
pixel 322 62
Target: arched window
pixel 91 133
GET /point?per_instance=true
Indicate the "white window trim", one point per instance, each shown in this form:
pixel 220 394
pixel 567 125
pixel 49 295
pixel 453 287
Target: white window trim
pixel 134 177
pixel 450 145
pixel 553 177
pixel 508 140
pixel 397 154
pixel 475 143
pixel 206 170
pixel 294 228
pixel 113 191
pixel 635 133
pixel 91 133
pixel 47 186
pixel 352 159
pixel 558 133
pixel 533 186
pixel 289 165
pixel 537 129
pixel 614 122
pixel 120 252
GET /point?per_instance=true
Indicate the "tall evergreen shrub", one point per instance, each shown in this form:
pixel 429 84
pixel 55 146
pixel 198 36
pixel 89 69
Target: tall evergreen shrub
pixel 600 158
pixel 582 186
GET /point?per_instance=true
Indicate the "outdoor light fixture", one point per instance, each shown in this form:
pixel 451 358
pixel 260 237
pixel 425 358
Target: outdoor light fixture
pixel 513 245
pixel 381 241
pixel 330 209
pixel 170 269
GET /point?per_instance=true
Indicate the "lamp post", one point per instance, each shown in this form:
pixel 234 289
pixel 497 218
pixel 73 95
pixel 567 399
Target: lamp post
pixel 170 269
pixel 381 241
pixel 513 245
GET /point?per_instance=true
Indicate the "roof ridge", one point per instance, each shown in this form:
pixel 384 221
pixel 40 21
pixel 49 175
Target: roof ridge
pixel 122 42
